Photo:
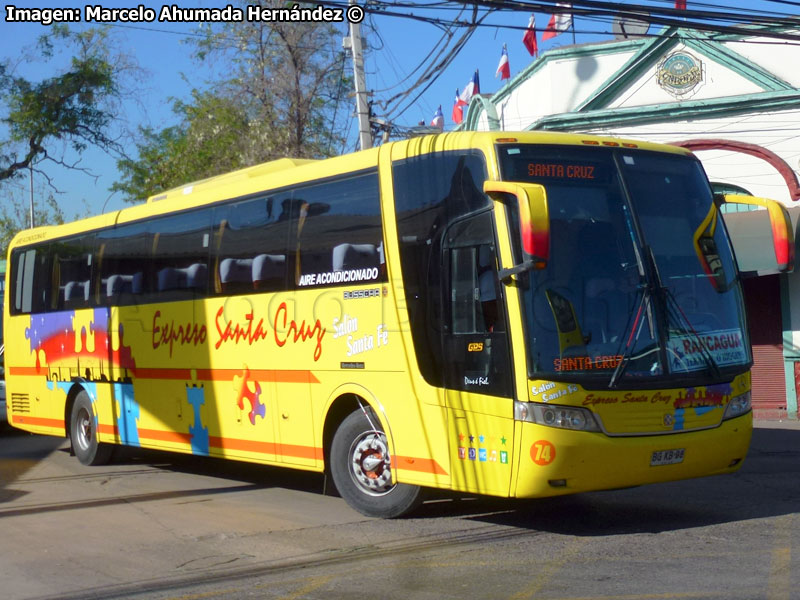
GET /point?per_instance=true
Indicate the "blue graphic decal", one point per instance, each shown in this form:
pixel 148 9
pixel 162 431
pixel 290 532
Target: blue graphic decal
pixel 64 386
pixel 44 327
pixel 197 397
pixel 679 419
pixel 128 415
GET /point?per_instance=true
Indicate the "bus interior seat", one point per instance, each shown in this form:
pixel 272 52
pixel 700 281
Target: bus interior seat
pixel 268 267
pixel 193 276
pixel 118 284
pixel 76 291
pixel 236 270
pixel 355 256
pixel 197 276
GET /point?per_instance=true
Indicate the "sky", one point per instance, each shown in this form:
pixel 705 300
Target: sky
pixel 398 46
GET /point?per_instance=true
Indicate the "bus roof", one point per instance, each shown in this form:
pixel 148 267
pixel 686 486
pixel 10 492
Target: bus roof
pixel 259 170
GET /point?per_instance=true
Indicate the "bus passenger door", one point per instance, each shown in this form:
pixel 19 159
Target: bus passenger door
pixel 478 371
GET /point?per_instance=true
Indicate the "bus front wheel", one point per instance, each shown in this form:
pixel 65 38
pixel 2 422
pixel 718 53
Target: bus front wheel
pixel 361 469
pixel 83 433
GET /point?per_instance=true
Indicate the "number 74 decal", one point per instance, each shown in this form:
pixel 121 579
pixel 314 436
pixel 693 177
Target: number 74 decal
pixel 543 452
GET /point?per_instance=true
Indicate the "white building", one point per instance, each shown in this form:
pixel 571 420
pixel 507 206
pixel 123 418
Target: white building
pixel 684 85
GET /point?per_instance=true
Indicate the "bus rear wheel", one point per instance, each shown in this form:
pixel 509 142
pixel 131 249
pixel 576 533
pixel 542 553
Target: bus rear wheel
pixel 361 469
pixel 83 433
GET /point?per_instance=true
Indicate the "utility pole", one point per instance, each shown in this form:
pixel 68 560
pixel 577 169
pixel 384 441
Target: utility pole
pixel 362 108
pixel 30 166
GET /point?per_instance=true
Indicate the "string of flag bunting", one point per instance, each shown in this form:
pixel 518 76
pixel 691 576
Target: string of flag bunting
pixel 560 22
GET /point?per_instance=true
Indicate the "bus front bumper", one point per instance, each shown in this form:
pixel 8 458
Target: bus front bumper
pixel 558 461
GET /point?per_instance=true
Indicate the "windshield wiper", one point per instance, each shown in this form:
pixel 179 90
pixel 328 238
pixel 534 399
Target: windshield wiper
pixel 635 329
pixel 674 308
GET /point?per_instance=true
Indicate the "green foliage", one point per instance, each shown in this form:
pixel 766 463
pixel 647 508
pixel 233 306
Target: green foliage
pixel 73 109
pixel 281 96
pixel 70 107
pixel 213 137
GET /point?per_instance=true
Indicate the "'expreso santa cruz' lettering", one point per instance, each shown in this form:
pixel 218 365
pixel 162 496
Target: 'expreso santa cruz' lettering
pixel 240 331
pixel 166 332
pixel 296 333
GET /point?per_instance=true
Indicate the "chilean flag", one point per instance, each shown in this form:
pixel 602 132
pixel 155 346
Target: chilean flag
pixel 559 22
pixel 529 39
pixel 473 87
pixel 503 69
pixel 458 109
pixel 438 119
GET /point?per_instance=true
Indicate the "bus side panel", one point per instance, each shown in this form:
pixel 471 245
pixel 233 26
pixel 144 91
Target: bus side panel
pixel 35 405
pixel 39 349
pixel 202 382
pixel 363 354
pixel 480 451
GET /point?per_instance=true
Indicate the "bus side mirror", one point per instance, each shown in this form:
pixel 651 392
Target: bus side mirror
pixel 780 222
pixel 534 218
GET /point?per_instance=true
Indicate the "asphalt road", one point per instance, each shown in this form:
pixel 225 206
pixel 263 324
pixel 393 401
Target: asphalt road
pixel 154 525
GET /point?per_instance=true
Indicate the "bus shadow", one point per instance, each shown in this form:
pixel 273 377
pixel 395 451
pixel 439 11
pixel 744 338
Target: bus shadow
pixel 768 485
pixel 257 475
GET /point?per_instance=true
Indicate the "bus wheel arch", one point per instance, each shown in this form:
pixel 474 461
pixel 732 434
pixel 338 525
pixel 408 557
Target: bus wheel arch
pixel 358 458
pixel 337 412
pixel 344 400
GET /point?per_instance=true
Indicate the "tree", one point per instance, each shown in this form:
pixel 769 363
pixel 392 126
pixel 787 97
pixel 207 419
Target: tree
pixel 287 74
pixel 74 107
pixel 212 137
pixel 14 217
pixel 280 97
pixel 40 122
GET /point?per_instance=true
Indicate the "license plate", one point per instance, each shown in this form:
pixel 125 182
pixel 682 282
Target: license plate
pixel 667 457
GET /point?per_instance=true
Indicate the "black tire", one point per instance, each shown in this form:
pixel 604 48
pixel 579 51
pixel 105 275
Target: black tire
pixel 83 433
pixel 361 470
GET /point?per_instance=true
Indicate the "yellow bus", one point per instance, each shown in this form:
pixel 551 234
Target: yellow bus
pixel 517 315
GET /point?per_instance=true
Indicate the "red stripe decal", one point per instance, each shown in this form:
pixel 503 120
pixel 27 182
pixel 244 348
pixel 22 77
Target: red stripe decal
pixel 269 375
pixel 422 465
pixel 40 421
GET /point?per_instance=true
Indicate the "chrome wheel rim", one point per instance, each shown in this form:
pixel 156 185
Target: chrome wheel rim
pixel 370 464
pixel 84 426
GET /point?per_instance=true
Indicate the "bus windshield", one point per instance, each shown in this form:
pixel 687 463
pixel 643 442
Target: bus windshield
pixel 641 282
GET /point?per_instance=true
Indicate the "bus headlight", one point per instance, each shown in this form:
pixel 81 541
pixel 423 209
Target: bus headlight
pixel 563 417
pixel 738 406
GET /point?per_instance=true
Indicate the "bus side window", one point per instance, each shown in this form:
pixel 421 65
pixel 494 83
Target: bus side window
pixel 122 256
pixel 31 289
pixel 180 254
pixel 337 227
pixel 430 192
pixel 250 245
pixel 475 341
pixel 73 262
pixel 474 289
